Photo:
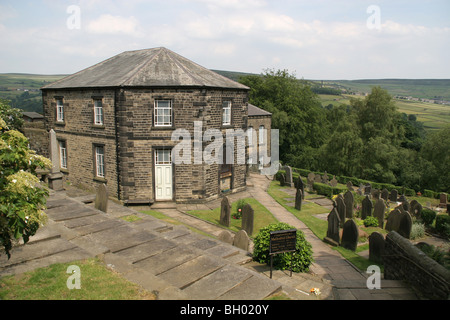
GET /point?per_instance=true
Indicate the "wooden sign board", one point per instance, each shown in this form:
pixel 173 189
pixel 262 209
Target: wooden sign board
pixel 282 241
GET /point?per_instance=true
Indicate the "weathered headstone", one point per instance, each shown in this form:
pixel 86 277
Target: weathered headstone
pixel 415 208
pixel 349 185
pixel 348 200
pixel 406 205
pixel 289 182
pixel 247 219
pixel 375 194
pixel 225 236
pixel 225 212
pixel 376 247
pixel 333 228
pixel 241 240
pixel 101 198
pixel 400 221
pixel 298 199
pixel 55 180
pixel 300 185
pixel 366 207
pixel 325 178
pixel 402 198
pixel 318 178
pixel 405 226
pixel 310 180
pixel 350 235
pixel 393 196
pixel 340 207
pixel 378 212
pixel 333 182
pixel 282 179
pixel 442 200
pixel 385 194
pixel 393 220
pixel 368 189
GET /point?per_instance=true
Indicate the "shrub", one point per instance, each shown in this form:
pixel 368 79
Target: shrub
pixel 239 207
pixel 370 222
pixel 443 225
pixel 327 190
pixel 300 259
pixel 428 216
pixel 428 193
pixel 417 231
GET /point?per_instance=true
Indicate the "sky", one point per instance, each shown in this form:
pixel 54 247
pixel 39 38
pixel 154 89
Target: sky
pixel 314 39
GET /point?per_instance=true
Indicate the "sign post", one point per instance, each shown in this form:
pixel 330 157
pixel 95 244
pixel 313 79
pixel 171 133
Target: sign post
pixel 282 241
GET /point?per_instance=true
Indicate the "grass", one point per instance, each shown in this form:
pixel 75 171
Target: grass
pixel 50 283
pixel 263 217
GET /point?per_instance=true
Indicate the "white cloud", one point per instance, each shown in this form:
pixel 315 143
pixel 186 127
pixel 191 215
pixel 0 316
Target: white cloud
pixel 109 24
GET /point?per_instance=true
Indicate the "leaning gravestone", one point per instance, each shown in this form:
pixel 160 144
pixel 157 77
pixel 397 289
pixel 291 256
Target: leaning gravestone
pixel 298 199
pixel 247 219
pixel 348 200
pixel 340 207
pixel 299 185
pixel 366 208
pixel 393 196
pixel 101 198
pixel 378 212
pixel 350 235
pixel 225 212
pixel 241 240
pixel 333 228
pixel 376 247
pixel 415 208
pixel 393 220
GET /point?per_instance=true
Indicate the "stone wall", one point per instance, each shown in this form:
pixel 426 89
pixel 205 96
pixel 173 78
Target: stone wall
pixel 37 137
pixel 403 261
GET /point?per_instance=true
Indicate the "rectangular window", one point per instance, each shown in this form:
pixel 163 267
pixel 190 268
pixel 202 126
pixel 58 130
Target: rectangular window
pixel 261 134
pixel 59 110
pixel 100 161
pixel 163 156
pixel 226 113
pixel 98 112
pixel 163 113
pixel 62 154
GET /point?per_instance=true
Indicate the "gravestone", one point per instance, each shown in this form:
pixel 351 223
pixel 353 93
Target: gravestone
pixel 378 212
pixel 298 199
pixel 225 212
pixel 442 200
pixel 225 236
pixel 376 247
pixel 366 208
pixel 348 200
pixel 368 189
pixel 325 178
pixel 333 182
pixel 310 180
pixel 385 194
pixel 415 208
pixel 300 185
pixel 288 182
pixel 350 235
pixel 340 207
pixel 393 196
pixel 282 179
pixel 406 205
pixel 318 178
pixel 55 178
pixel 241 240
pixel 349 185
pixel 247 219
pixel 402 198
pixel 375 194
pixel 400 221
pixel 101 198
pixel 333 228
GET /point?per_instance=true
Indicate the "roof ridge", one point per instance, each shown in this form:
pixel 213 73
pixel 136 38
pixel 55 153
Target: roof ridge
pixel 183 68
pixel 144 64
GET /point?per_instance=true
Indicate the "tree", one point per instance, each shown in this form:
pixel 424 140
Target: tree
pixel 22 199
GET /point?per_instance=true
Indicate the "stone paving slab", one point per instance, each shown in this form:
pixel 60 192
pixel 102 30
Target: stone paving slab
pixel 253 288
pixel 146 250
pixel 217 283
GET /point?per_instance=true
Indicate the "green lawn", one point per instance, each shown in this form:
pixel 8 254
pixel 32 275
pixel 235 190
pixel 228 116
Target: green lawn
pixel 262 218
pixel 50 283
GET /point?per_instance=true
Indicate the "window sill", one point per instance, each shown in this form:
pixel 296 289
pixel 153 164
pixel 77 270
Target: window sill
pixel 100 179
pixel 64 170
pixel 227 126
pixel 98 126
pixel 163 128
pixel 225 175
pixel 60 123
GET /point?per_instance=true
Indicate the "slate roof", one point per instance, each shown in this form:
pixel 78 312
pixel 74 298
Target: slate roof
pixel 155 67
pixel 255 111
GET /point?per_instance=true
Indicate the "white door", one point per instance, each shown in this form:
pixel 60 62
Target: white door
pixel 163 174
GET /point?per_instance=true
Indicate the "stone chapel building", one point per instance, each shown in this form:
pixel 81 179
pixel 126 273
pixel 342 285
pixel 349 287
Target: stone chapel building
pixel 114 122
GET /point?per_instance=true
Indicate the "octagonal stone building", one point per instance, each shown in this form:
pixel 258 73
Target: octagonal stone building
pixel 114 123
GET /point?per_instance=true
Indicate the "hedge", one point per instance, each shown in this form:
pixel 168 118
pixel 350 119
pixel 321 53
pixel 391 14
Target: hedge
pixel 327 190
pixel 443 224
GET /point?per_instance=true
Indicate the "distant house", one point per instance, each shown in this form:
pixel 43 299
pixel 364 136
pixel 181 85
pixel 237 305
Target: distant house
pixel 32 117
pixel 114 122
pixel 33 129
